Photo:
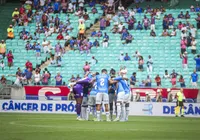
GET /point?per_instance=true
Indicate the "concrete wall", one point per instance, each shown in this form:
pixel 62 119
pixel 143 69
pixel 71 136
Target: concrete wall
pixel 18 93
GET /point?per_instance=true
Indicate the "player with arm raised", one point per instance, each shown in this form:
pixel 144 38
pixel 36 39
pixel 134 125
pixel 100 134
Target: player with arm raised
pixel 103 81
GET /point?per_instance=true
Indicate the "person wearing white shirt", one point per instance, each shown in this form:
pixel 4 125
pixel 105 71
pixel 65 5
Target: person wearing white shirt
pixel 150 64
pixel 193 44
pixel 110 2
pixel 137 55
pixel 121 8
pixel 70 7
pixel 67 37
pixel 81 3
pixel 45 44
pixel 173 33
pixel 121 57
pixel 81 20
pixel 2 65
pixel 183 34
pixel 51 29
pixel 42 2
pixel 132 12
pixel 193 31
pixel 93 61
pixel 37 78
pixel 120 27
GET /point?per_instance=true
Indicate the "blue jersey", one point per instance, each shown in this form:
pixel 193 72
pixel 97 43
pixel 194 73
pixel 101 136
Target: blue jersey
pixel 120 86
pixel 94 89
pixel 124 84
pixel 102 83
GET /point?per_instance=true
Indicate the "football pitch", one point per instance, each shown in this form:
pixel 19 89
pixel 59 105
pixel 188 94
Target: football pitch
pixel 65 127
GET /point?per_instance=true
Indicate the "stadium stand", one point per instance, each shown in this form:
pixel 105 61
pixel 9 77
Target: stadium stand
pixel 165 51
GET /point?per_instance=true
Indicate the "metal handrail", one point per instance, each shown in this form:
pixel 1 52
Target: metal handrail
pixel 115 3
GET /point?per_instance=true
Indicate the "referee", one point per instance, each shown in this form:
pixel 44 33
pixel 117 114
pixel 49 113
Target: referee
pixel 179 103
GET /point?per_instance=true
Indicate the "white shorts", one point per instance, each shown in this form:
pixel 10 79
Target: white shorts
pixel 102 98
pixel 92 100
pixel 127 98
pixel 120 97
pixel 194 84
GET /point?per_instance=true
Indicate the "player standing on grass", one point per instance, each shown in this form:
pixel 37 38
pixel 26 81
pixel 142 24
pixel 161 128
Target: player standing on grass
pixel 103 81
pixel 92 98
pixel 120 99
pixel 112 98
pixel 179 103
pixel 78 90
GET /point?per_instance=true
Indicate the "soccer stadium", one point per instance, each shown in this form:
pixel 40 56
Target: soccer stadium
pixel 99 69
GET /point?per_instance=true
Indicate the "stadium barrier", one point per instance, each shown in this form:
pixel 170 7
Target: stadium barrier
pixel 68 107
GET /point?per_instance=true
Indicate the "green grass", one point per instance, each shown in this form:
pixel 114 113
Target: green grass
pixel 65 127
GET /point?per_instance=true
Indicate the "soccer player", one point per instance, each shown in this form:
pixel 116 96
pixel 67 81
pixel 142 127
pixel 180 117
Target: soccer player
pixel 179 103
pixel 112 98
pixel 92 98
pixel 80 90
pixel 103 81
pixel 123 99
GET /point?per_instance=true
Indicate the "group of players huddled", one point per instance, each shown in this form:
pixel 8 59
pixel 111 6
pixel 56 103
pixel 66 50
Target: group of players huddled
pixel 95 90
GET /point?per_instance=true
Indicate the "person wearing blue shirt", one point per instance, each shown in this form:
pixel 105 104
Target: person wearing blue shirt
pixel 197 59
pixel 38 49
pixel 103 81
pixel 92 97
pixel 56 7
pixel 123 98
pixel 127 58
pixel 139 26
pixel 96 43
pixel 194 79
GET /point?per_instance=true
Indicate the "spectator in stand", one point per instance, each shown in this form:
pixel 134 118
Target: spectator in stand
pixel 148 81
pixel 81 28
pixel 184 58
pixel 165 22
pixel 102 24
pixel 187 15
pixel 182 81
pixel 86 67
pixel 94 10
pixel 180 25
pixel 10 32
pixel 165 33
pixel 10 58
pixel 93 61
pixel 58 49
pixel 152 33
pixel 121 57
pixel 183 45
pixel 181 15
pixel 150 64
pixel 140 63
pixel 105 40
pixel 133 79
pixel 193 44
pixel 139 26
pixel 37 78
pixel 153 19
pixel 56 6
pixel 173 33
pixel 129 38
pixel 192 9
pixel 194 79
pixel 166 75
pixel 131 23
pixel 2 65
pixel 145 22
pixel 158 80
pixel 171 21
pixel 96 43
pixel 60 36
pixel 173 78
pixel 38 50
pixel 193 31
pixel 183 34
pixel 3 48
pixel 3 80
pixel 29 65
pixel 15 16
pixel 45 78
pixel 28 76
pixel 127 58
pixel 198 21
pixel 58 61
pixel 28 46
pixel 197 59
pixel 137 55
pixel 58 79
pixel 45 19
